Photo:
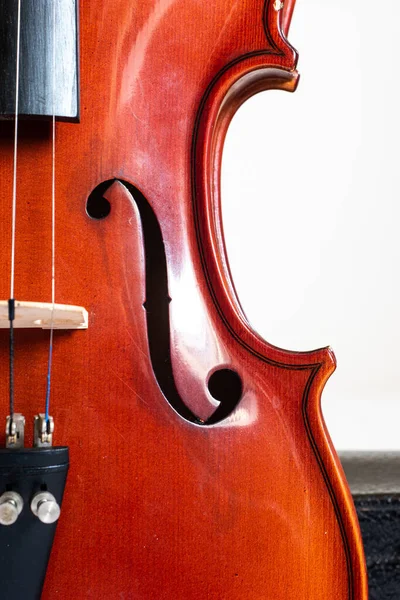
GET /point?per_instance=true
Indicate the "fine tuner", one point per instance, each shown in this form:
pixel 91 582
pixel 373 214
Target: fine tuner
pixel 43 429
pixel 43 506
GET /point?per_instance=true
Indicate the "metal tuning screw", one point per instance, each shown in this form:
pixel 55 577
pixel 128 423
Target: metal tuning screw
pixel 45 507
pixel 43 431
pixel 15 431
pixel 11 505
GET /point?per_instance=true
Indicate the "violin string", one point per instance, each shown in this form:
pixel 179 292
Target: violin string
pixel 53 224
pixel 11 302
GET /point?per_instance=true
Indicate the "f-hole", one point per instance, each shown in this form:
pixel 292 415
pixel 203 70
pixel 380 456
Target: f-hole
pixel 224 384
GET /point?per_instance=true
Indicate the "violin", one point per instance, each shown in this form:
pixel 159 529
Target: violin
pixel 155 447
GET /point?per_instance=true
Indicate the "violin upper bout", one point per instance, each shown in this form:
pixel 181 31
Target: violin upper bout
pixel 264 27
pixel 277 18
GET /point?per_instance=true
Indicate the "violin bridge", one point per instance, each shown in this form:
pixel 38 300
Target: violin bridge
pixel 15 431
pixel 34 315
pixel 43 431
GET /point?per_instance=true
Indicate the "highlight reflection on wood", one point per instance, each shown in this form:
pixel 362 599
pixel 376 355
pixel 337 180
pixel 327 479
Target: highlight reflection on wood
pixel 171 494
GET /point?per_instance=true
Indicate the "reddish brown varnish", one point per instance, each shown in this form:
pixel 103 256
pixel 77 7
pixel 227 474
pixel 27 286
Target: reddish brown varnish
pixel 255 507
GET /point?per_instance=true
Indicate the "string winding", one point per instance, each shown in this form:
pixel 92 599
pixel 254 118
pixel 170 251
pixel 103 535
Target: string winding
pixel 53 224
pixel 11 302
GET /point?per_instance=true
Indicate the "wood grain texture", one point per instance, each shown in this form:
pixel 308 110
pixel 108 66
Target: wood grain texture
pixel 254 507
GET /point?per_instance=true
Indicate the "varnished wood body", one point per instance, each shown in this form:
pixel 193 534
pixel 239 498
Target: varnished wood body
pixel 254 507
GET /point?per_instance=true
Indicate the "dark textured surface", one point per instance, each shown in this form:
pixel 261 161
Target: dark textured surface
pixel 379 517
pixel 25 546
pixel 374 479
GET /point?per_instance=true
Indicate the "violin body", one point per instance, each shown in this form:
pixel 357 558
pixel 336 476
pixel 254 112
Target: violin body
pixel 200 465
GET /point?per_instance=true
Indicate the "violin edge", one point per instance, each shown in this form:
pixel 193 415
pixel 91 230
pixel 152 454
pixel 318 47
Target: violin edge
pixel 336 484
pixel 252 74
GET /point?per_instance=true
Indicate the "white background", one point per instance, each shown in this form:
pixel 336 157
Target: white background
pixel 311 211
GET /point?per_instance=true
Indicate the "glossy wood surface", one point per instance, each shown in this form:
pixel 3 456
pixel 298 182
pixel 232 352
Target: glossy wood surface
pixel 255 506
